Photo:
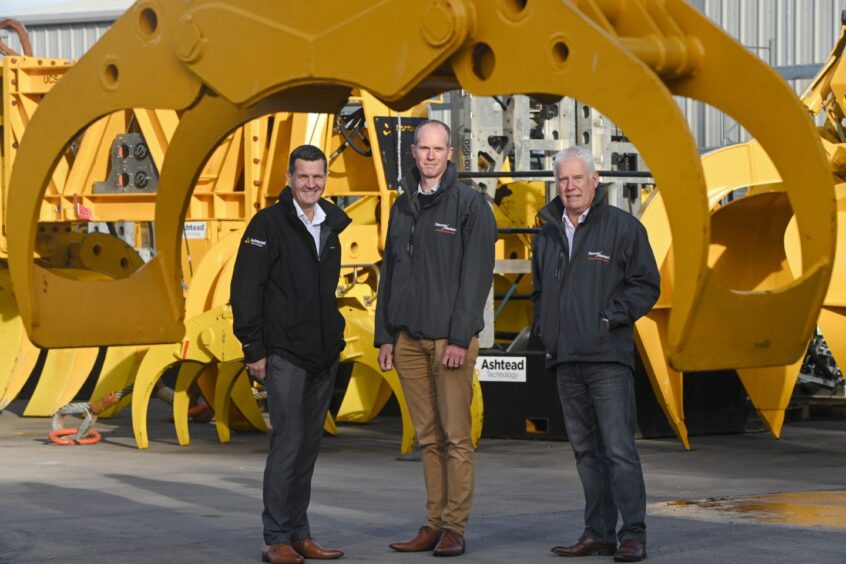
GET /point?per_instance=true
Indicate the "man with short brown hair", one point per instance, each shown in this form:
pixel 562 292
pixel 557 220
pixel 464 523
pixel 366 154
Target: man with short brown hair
pixel 437 272
pixel 287 319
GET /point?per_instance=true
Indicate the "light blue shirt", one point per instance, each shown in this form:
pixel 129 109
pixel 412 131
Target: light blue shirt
pixel 570 229
pixel 432 191
pixel 312 226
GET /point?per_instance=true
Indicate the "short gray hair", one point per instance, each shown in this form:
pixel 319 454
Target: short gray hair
pixel 574 152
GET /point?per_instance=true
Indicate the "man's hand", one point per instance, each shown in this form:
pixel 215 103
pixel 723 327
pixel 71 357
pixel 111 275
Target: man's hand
pixel 386 357
pixel 257 368
pixel 454 356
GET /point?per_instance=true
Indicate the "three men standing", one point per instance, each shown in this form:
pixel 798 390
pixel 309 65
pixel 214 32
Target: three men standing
pixel 437 271
pixel 287 319
pixel 594 275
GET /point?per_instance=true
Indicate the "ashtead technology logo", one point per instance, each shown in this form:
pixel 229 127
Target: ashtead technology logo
pixel 501 368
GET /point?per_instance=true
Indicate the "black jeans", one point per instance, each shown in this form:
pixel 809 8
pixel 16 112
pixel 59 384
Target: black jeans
pixel 599 413
pixel 297 401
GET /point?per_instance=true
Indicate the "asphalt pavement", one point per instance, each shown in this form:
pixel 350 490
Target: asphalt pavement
pixel 734 498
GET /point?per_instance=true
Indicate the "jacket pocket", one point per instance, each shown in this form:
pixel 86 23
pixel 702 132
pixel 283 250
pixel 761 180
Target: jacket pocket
pixel 604 330
pixel 598 341
pixel 589 336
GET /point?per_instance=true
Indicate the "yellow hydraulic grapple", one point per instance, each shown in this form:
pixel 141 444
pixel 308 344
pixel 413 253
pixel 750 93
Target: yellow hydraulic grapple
pixel 757 244
pixel 194 73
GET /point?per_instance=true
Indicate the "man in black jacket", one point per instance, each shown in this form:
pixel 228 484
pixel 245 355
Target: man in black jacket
pixel 436 274
pixel 286 317
pixel 594 275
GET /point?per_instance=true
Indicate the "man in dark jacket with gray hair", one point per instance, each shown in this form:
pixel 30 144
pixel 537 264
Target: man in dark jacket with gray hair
pixel 594 275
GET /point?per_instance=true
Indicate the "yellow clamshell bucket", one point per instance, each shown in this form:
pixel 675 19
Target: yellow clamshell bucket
pixel 626 58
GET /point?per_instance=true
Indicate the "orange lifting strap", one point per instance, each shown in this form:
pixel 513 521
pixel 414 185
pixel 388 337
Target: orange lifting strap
pixel 627 58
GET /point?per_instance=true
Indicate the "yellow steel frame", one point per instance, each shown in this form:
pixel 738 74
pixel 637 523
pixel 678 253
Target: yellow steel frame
pixel 619 56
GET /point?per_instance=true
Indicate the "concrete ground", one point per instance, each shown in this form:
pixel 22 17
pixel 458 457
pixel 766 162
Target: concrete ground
pixel 201 503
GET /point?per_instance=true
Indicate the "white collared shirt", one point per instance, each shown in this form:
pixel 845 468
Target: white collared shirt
pixel 312 226
pixel 570 229
pixel 432 191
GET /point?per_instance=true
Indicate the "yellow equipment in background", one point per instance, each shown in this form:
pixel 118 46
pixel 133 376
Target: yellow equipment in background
pixel 244 173
pixel 223 157
pixel 756 241
pixel 625 58
pixel 74 200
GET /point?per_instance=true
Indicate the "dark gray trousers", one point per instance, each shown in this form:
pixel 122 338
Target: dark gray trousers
pixel 297 401
pixel 599 413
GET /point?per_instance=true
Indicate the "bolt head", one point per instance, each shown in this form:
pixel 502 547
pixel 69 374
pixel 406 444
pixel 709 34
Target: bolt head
pixel 438 24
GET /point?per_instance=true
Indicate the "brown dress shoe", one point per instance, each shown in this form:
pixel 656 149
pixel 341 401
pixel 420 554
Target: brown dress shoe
pixel 310 549
pixel 281 554
pixel 631 550
pixel 585 546
pixel 451 544
pixel 425 540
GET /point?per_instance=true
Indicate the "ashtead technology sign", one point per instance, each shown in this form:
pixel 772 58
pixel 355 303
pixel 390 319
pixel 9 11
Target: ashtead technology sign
pixel 501 368
pixel 194 230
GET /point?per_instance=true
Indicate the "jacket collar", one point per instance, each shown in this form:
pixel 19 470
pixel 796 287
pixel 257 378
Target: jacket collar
pixel 411 181
pixel 411 184
pixel 336 219
pixel 554 210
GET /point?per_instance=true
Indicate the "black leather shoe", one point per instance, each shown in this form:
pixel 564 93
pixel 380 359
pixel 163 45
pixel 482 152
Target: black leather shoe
pixel 631 550
pixel 585 546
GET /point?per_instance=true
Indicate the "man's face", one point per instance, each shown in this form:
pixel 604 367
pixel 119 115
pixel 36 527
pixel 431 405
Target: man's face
pixel 432 151
pixel 576 187
pixel 307 182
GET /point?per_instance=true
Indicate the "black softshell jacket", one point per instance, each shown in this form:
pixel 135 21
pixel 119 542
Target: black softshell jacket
pixel 612 275
pixel 283 294
pixel 437 269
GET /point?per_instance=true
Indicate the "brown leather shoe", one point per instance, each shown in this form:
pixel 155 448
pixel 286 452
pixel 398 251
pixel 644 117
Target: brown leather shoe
pixel 585 546
pixel 451 544
pixel 425 540
pixel 310 549
pixel 281 554
pixel 631 550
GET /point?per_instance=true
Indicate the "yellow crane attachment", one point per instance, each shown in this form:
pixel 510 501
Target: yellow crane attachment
pixel 628 58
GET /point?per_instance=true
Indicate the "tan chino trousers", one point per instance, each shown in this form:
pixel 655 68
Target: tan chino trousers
pixel 439 403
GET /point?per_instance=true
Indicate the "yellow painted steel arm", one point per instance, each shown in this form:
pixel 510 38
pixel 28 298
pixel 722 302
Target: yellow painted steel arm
pixel 578 58
pixel 118 371
pixel 207 276
pixel 232 381
pixel 62 376
pixel 114 75
pixel 760 337
pixel 186 45
pixel 18 355
pixel 158 359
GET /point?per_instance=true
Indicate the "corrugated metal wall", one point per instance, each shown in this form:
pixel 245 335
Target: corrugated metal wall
pixel 63 41
pixel 781 32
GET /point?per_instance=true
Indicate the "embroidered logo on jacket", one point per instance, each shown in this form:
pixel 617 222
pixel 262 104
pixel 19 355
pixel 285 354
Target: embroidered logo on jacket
pixel 597 255
pixel 254 242
pixel 445 228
